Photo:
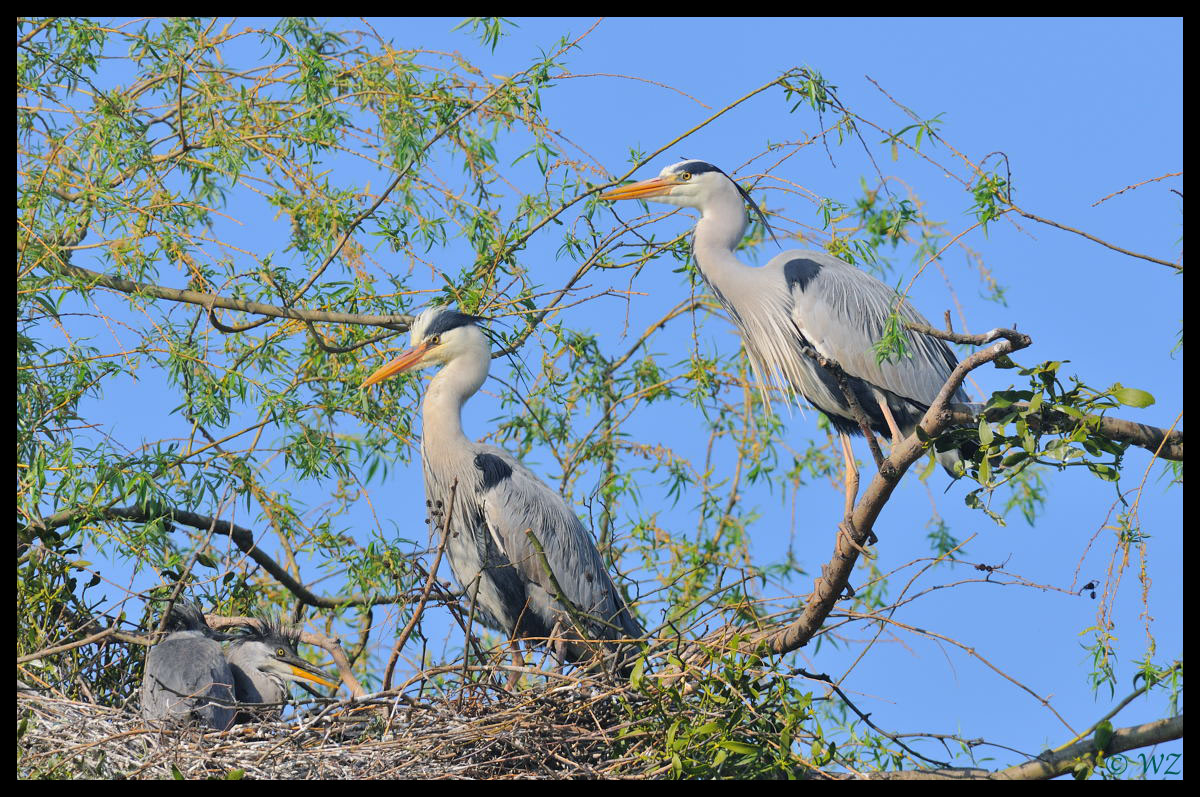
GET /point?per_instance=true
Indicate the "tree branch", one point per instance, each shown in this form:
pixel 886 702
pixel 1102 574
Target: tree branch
pixel 835 575
pixel 1052 764
pixel 242 537
pixel 399 322
pixel 1167 444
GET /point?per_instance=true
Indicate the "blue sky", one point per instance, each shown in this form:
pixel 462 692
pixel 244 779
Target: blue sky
pixel 1082 109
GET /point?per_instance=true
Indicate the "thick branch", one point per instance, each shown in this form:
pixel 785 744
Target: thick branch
pixel 1142 435
pixel 1168 444
pixel 835 575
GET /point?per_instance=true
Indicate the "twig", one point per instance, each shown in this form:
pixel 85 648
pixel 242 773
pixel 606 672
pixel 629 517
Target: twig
pixel 416 616
pixel 399 322
pixel 242 537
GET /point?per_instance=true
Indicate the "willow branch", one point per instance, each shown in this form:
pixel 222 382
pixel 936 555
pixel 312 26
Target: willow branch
pixel 397 322
pixel 111 631
pixel 1114 247
pixel 242 537
pixel 1166 443
pixel 835 575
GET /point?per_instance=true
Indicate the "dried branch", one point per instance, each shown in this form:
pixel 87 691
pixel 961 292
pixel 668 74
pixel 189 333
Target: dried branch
pixel 1114 247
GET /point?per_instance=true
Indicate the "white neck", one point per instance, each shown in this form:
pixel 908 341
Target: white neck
pixel 441 411
pixel 718 232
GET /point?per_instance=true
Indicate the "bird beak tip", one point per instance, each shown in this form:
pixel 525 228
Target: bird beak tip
pixel 318 678
pixel 655 186
pixel 406 361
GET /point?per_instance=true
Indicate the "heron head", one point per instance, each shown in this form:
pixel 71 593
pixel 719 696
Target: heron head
pixel 439 334
pixel 690 184
pixel 271 649
pixel 186 616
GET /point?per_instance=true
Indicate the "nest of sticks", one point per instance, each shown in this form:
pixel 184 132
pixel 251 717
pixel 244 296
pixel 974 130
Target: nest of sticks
pixel 561 728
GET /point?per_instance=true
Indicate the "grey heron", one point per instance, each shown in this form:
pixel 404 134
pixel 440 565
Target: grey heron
pixel 806 298
pixel 262 661
pixel 186 676
pixel 498 504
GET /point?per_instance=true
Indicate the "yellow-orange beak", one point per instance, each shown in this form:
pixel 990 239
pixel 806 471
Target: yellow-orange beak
pixel 655 186
pixel 407 359
pixel 309 673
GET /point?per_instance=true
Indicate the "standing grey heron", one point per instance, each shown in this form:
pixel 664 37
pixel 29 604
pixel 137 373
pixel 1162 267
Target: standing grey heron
pixel 262 661
pixel 806 298
pixel 186 675
pixel 498 504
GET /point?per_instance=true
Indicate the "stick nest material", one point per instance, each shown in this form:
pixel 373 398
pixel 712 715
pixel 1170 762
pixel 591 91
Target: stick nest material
pixel 548 731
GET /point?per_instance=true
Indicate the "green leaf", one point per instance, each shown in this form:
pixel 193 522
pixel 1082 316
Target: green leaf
pixel 985 432
pixel 1105 472
pixel 635 677
pixel 1071 411
pixel 1132 397
pixel 1014 458
pixel 739 747
pixel 1004 361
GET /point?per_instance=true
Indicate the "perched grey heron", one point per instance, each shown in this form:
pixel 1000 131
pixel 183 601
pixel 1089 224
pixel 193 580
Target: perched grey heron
pixel 186 675
pixel 498 504
pixel 806 298
pixel 262 660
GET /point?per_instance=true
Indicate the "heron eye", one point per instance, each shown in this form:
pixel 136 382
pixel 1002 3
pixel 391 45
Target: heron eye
pixel 435 340
pixel 280 652
pixel 685 176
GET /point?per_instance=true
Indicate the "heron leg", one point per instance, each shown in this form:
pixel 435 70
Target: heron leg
pixel 851 476
pixel 891 421
pixel 558 644
pixel 518 660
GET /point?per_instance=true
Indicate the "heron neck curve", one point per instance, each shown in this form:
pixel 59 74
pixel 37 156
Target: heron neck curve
pixel 252 684
pixel 441 411
pixel 720 229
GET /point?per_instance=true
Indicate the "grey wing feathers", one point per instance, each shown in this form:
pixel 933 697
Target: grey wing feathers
pixel 518 501
pixel 187 677
pixel 842 310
